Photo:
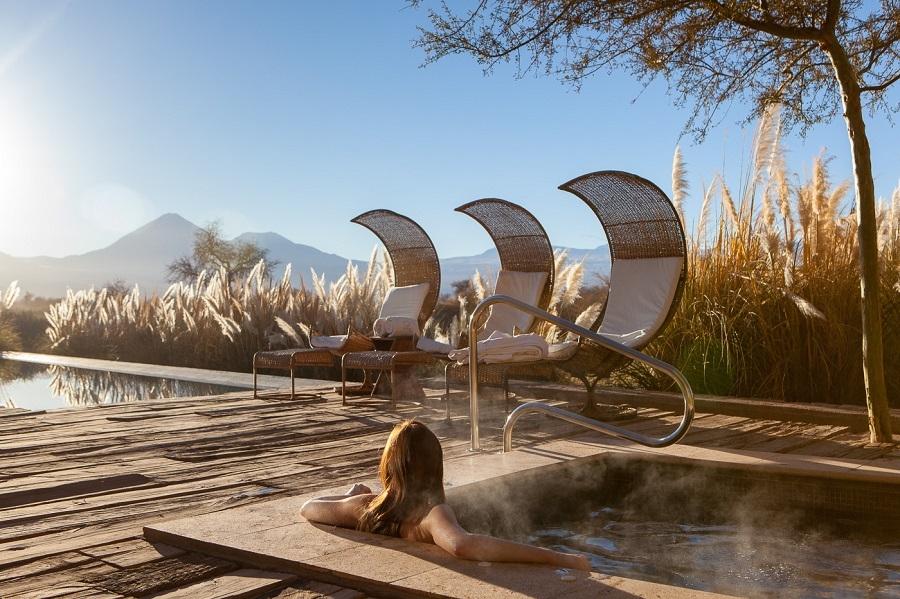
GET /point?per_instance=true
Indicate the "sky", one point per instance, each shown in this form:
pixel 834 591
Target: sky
pixel 294 117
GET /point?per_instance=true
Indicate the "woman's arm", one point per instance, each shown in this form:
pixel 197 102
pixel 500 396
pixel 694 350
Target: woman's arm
pixel 338 510
pixel 449 535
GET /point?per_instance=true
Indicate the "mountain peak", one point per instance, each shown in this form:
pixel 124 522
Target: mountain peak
pixel 262 238
pixel 167 236
pixel 169 220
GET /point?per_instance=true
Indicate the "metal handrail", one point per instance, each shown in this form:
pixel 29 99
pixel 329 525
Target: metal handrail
pixel 669 370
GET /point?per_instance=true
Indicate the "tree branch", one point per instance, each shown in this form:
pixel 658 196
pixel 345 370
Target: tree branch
pixel 881 86
pixel 784 31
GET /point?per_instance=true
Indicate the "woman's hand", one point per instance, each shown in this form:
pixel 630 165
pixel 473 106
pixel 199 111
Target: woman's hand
pixel 359 489
pixel 576 561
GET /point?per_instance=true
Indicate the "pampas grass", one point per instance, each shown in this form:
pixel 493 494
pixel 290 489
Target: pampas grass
pixel 213 323
pixel 9 336
pixel 771 307
pixel 679 182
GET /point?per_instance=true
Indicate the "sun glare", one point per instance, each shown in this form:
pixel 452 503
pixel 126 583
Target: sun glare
pixel 31 189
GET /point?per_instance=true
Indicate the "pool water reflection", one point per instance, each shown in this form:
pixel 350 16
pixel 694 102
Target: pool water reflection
pixel 38 387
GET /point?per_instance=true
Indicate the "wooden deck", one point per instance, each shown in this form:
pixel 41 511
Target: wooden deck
pixel 76 486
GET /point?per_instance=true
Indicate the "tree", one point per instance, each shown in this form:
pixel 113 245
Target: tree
pixel 813 58
pixel 212 251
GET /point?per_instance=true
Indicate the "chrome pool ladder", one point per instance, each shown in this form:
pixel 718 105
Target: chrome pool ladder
pixel 537 407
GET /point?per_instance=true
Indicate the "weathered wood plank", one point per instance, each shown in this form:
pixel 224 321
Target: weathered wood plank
pixel 131 552
pixel 224 495
pixel 36 494
pixel 44 566
pixel 153 577
pixel 225 482
pixel 49 584
pixel 314 590
pixel 240 584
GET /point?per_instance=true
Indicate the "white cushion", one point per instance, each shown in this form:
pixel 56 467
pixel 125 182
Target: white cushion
pixel 523 286
pixel 404 302
pixel 640 294
pixel 328 341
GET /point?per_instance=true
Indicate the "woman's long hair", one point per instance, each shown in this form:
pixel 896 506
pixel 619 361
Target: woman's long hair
pixel 412 474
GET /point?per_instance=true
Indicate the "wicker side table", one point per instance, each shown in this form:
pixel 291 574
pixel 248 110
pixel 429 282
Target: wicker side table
pixel 399 363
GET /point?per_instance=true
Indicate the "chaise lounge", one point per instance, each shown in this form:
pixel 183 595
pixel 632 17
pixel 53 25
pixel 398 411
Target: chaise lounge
pixel 416 282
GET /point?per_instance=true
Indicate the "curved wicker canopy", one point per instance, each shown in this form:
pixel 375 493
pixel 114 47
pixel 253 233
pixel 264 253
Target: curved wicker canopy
pixel 412 254
pixel 520 239
pixel 637 216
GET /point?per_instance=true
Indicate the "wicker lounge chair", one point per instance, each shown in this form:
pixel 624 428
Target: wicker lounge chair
pixel 413 261
pixel 647 273
pixel 523 246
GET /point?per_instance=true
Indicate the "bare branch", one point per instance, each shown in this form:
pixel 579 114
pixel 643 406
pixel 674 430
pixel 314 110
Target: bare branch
pixel 882 86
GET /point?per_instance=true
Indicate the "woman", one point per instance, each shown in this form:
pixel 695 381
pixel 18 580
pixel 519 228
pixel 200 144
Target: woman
pixel 412 505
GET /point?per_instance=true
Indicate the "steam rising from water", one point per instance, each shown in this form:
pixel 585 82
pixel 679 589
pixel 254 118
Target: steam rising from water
pixel 691 528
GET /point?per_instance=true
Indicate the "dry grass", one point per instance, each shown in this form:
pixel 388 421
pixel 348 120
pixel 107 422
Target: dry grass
pixel 771 308
pixel 209 323
pixel 9 335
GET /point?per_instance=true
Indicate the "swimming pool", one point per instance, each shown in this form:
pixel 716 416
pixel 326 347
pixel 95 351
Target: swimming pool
pixel 727 531
pixel 41 387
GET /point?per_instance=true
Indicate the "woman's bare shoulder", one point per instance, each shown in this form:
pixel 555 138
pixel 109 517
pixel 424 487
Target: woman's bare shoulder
pixel 440 514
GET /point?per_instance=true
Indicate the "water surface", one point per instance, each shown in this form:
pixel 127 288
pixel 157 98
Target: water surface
pixel 783 560
pixel 39 387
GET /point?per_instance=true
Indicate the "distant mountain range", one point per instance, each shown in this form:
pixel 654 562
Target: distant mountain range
pixel 141 257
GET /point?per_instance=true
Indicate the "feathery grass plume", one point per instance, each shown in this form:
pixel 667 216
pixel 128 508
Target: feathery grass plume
pixel 891 226
pixel 768 229
pixel 560 267
pixel 728 205
pixel 10 337
pixel 768 211
pixel 819 188
pixel 835 198
pixel 700 237
pixel 587 318
pixel 10 296
pixel 778 178
pixel 805 215
pixel 371 269
pixel 319 285
pixel 765 151
pixel 574 278
pixel 479 285
pixel 806 308
pixel 679 183
pixel 288 330
pixel 818 194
